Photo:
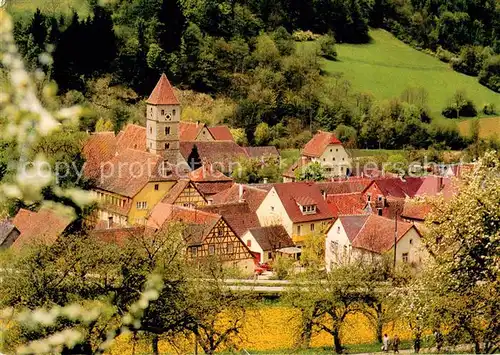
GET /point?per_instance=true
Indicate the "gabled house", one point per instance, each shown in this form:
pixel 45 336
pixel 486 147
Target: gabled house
pixel 265 242
pixel 195 131
pixel 206 234
pixel 252 195
pixel 238 215
pixel 299 207
pixel 184 193
pixel 42 227
pixel 368 237
pixel 210 181
pixel 326 149
pixel 8 233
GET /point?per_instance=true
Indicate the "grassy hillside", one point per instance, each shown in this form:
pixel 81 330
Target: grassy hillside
pixel 27 7
pixel 489 127
pixel 386 66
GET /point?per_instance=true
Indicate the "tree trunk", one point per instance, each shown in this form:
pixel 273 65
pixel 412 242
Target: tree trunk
pixel 154 345
pixel 380 323
pixel 337 344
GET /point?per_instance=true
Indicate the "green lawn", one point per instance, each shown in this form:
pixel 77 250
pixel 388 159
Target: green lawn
pixel 386 66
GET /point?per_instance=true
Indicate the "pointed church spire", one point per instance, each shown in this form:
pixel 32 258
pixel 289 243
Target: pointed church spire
pixel 163 93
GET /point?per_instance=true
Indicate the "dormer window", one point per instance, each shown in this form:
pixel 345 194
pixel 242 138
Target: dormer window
pixel 309 209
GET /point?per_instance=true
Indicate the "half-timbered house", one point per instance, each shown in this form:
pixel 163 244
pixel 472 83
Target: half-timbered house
pixel 206 234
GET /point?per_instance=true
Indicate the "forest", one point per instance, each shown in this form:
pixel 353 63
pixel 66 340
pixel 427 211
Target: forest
pixel 247 56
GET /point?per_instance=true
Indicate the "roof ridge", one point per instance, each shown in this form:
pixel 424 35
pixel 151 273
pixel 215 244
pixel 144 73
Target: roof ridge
pixel 362 227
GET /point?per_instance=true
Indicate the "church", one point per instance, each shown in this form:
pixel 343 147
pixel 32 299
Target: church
pixel 140 167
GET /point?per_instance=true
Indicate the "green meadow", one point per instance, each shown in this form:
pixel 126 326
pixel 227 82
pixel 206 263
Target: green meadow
pixel 387 66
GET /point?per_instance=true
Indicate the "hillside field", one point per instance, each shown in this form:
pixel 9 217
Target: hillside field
pixel 489 127
pixel 27 7
pixel 387 66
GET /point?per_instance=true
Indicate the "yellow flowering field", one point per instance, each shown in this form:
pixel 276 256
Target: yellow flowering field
pixel 272 328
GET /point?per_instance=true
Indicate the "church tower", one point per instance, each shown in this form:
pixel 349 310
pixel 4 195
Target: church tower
pixel 163 115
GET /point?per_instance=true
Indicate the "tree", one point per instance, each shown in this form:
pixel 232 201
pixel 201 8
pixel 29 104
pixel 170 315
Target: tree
pixel 327 46
pixel 312 172
pixel 262 134
pixel 459 105
pixel 194 160
pixel 173 23
pixel 490 74
pixel 464 238
pixel 328 300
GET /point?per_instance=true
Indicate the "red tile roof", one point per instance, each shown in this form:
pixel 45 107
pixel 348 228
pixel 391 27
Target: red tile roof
pixel 212 188
pixel 118 235
pixel 432 185
pixel 189 131
pixel 44 227
pixel 377 233
pixel 163 93
pixel 164 212
pixel 207 173
pixel 238 215
pixel 262 152
pixel 271 237
pixel 221 133
pixel 343 187
pixel 346 204
pixel 398 187
pixel 128 172
pixel 131 137
pixel 252 195
pixel 317 145
pixel 289 193
pixel 416 210
pixel 99 148
pixel 219 153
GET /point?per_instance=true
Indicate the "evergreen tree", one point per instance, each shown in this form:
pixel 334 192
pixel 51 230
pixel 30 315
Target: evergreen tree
pixel 194 160
pixel 102 40
pixel 174 24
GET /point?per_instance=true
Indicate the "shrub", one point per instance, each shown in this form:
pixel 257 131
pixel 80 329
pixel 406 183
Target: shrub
pixel 459 106
pixel 303 36
pixel 327 47
pixel 444 55
pixel 283 267
pixel 490 74
pixel 470 60
pixel 489 109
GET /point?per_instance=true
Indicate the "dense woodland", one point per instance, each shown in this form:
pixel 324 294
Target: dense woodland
pixel 249 55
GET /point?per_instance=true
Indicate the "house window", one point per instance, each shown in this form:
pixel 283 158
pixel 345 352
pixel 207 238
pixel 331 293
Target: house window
pixel 379 198
pixel 312 227
pixel 272 208
pixel 411 241
pixel 211 249
pixel 249 243
pixel 157 187
pixel 167 130
pixel 334 247
pixel 151 130
pixel 333 158
pixel 173 112
pixel 343 159
pixel 405 257
pixel 230 248
pixel 338 230
pixel 162 112
pixel 167 145
pixel 368 197
pixel 298 230
pixel 379 211
pixel 194 251
pixel 345 252
pixel 141 205
pixel 331 150
pixel 337 149
pixel 269 254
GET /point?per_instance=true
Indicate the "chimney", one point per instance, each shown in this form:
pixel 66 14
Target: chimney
pixel 240 193
pixel 323 192
pixel 265 180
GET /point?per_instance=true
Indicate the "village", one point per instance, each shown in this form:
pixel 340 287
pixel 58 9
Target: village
pixel 145 182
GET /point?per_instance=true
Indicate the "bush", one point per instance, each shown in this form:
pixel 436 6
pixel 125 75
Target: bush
pixel 444 55
pixel 489 109
pixel 283 267
pixel 460 106
pixel 327 47
pixel 303 36
pixel 490 74
pixel 470 60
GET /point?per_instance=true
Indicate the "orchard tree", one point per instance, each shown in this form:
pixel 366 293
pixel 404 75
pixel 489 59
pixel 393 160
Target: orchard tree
pixel 464 238
pixel 312 172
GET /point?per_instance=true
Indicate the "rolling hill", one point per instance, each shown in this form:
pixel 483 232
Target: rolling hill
pixel 386 66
